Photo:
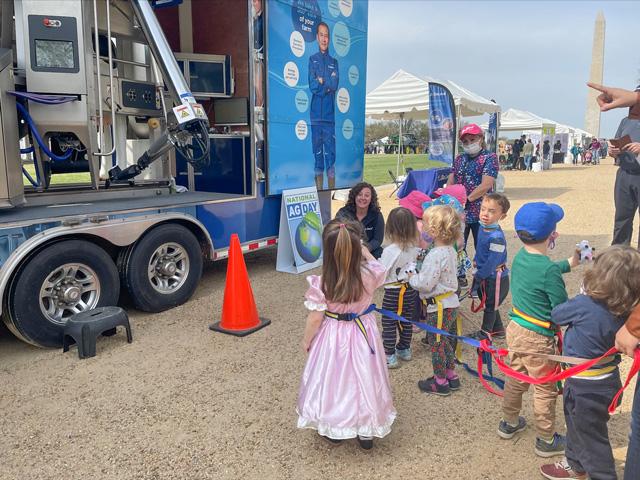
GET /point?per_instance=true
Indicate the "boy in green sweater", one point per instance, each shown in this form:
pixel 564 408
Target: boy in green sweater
pixel 536 288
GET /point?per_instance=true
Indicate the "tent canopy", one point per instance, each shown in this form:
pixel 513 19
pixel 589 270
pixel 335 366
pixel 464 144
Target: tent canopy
pixel 512 120
pixel 404 93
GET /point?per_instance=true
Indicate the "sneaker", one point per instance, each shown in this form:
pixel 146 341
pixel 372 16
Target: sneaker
pixel 454 384
pixel 431 386
pixel 463 282
pixel 392 361
pixel 556 447
pixel 366 443
pixel 404 354
pixel 560 470
pixel 507 431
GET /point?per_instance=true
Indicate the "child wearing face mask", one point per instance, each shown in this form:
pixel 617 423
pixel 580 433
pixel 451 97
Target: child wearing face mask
pixel 536 288
pixel 491 279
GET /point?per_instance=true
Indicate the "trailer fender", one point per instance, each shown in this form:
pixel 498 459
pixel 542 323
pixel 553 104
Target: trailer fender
pixel 118 231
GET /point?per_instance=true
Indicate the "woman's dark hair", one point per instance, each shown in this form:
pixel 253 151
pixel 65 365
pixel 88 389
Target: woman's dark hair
pixel 355 191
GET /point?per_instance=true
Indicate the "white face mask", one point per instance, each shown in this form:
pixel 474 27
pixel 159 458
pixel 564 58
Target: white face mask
pixel 472 148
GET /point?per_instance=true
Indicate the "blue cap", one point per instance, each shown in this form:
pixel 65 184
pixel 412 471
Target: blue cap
pixel 538 219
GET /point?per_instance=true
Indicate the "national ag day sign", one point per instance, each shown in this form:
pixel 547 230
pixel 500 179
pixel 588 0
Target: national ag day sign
pixel 300 237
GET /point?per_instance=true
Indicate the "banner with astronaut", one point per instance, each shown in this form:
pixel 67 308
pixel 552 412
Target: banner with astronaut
pixel 316 89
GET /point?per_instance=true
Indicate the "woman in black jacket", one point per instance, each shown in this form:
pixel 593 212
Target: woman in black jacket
pixel 362 206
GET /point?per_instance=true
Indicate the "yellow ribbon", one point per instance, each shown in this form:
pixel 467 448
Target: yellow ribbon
pixel 403 289
pixel 438 299
pixel 597 371
pixel 533 320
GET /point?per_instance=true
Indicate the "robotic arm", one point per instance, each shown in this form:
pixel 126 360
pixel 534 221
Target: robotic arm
pixel 189 133
pixel 188 137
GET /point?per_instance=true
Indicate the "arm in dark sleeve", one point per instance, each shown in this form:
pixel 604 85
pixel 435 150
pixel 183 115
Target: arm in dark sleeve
pixel 554 286
pixel 333 80
pixel 496 246
pixel 563 314
pixel 378 234
pixel 314 84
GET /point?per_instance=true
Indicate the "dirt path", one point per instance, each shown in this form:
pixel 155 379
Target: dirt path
pixel 184 403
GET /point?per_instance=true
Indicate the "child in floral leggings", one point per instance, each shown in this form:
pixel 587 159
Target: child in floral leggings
pixel 437 284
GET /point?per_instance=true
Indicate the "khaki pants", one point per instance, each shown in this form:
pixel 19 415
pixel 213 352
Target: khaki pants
pixel 544 396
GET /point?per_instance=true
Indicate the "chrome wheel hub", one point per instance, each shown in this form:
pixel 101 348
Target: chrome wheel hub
pixel 168 268
pixel 71 288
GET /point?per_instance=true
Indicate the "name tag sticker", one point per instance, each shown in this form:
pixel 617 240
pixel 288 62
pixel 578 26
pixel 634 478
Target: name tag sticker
pixel 496 247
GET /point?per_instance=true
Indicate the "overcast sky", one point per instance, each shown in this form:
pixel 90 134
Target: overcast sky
pixel 531 56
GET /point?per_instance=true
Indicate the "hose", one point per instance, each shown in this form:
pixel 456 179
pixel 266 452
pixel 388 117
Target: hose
pixel 31 180
pixel 34 131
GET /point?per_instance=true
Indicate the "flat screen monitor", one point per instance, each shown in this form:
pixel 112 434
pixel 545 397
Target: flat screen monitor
pixel 207 78
pixel 231 111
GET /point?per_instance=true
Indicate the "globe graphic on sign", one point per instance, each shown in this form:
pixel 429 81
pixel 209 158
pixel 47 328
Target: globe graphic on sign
pixel 309 237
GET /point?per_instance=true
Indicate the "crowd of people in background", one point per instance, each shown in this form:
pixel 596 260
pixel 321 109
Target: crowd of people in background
pixel 521 154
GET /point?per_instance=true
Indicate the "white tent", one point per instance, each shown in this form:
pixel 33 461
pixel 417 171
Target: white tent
pixel 404 95
pixel 512 120
pixel 407 95
pixel 468 103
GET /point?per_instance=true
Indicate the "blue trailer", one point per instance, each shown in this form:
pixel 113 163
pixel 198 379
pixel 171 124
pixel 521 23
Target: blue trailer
pixel 172 145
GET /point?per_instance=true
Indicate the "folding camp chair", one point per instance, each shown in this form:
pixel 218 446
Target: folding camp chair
pixel 397 181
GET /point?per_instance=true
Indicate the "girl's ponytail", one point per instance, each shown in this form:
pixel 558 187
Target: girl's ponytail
pixel 341 269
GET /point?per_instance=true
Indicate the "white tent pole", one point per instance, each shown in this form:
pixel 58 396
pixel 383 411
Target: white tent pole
pixel 455 141
pixel 399 146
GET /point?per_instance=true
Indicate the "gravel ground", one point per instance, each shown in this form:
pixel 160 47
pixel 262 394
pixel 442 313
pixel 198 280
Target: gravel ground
pixel 182 402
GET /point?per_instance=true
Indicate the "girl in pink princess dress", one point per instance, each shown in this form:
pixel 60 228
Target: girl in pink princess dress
pixel 344 391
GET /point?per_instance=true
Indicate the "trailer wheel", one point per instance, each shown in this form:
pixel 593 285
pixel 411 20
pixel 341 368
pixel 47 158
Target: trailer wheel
pixel 163 268
pixel 65 278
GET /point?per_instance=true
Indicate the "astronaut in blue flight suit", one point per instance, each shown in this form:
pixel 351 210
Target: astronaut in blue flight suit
pixel 323 82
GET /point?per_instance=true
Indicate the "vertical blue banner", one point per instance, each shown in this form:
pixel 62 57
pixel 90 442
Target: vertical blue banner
pixel 316 90
pixel 442 124
pixel 492 133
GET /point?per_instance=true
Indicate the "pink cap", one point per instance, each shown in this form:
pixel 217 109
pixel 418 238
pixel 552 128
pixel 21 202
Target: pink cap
pixel 456 191
pixel 471 129
pixel 414 201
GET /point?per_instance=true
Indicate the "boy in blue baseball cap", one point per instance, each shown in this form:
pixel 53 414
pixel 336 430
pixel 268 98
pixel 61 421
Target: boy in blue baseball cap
pixel 536 287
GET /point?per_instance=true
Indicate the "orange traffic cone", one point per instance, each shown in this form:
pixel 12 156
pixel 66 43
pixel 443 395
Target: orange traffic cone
pixel 239 312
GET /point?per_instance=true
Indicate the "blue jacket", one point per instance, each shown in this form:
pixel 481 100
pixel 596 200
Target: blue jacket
pixel 591 328
pixel 323 65
pixel 491 252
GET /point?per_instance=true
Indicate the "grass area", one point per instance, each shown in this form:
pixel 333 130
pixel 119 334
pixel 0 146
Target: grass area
pixel 376 167
pixel 58 178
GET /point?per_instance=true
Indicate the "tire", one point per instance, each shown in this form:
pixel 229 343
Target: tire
pixel 29 303
pixel 159 290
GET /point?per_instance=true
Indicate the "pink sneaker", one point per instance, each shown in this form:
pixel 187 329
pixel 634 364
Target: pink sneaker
pixel 560 471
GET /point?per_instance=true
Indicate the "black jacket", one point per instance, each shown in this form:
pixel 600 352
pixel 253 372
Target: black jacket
pixel 373 225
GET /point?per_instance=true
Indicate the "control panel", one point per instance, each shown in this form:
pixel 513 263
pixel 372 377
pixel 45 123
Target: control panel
pixel 54 44
pixel 139 98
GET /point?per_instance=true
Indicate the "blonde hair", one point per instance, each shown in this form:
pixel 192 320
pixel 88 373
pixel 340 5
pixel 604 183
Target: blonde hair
pixel 342 261
pixel 614 279
pixel 443 223
pixel 401 228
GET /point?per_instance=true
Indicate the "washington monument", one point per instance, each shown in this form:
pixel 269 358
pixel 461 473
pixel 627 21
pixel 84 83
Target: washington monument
pixel 592 116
